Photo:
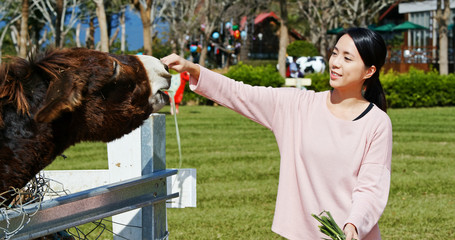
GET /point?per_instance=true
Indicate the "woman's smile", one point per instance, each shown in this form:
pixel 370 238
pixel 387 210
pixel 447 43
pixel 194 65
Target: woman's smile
pixel 334 75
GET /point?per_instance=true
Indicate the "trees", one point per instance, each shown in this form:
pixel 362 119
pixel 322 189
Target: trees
pixel 182 22
pixel 56 17
pixel 213 13
pixel 321 16
pixel 24 31
pixel 151 11
pixel 10 14
pixel 359 12
pixel 325 15
pixel 53 15
pixel 52 20
pixel 101 14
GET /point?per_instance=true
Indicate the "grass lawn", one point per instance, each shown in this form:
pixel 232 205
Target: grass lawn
pixel 237 164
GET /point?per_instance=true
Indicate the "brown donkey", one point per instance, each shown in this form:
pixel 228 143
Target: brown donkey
pixel 62 97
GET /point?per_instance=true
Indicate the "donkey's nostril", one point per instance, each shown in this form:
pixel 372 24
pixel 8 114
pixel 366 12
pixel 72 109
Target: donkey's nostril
pixel 166 67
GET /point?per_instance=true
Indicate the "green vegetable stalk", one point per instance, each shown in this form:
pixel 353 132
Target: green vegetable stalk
pixel 329 226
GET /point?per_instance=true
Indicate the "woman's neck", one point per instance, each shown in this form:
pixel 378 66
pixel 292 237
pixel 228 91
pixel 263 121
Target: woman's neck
pixel 346 105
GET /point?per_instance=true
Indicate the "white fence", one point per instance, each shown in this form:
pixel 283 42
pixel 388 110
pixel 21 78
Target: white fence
pixel 133 191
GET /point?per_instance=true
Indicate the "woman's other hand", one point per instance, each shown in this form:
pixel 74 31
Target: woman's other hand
pixel 350 231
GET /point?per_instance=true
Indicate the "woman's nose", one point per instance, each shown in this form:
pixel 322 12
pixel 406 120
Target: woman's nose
pixel 335 61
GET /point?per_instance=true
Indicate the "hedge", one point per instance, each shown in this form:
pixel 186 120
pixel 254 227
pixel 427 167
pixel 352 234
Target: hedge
pixel 257 76
pixel 412 89
pixel 301 48
pixel 419 89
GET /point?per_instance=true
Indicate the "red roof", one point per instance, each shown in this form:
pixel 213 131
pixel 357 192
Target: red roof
pixel 261 17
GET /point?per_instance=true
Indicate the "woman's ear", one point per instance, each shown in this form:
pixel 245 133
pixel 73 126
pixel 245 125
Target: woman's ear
pixel 370 71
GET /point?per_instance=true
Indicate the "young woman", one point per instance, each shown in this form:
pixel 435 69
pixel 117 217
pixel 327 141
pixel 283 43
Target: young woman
pixel 335 146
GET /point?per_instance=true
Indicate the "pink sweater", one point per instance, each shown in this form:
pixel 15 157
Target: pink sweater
pixel 326 163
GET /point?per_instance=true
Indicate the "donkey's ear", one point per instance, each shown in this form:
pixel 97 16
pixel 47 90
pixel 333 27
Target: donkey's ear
pixel 63 95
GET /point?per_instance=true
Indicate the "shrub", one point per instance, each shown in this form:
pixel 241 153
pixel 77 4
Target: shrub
pixel 319 81
pixel 301 48
pixel 194 98
pixel 418 89
pixel 256 76
pixel 412 89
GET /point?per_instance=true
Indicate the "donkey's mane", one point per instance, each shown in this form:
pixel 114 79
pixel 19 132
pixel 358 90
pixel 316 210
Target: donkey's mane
pixel 16 76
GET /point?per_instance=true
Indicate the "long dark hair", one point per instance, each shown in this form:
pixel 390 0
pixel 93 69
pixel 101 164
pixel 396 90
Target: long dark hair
pixel 373 51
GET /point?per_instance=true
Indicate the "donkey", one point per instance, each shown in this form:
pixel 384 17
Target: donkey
pixel 61 97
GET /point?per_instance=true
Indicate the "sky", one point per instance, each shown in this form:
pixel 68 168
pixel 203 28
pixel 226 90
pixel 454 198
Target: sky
pixel 133 30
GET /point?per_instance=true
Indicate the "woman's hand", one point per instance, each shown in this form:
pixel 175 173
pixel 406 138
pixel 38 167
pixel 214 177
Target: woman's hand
pixel 179 64
pixel 350 231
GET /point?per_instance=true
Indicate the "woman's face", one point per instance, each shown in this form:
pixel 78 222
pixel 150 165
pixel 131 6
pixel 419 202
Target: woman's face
pixel 347 69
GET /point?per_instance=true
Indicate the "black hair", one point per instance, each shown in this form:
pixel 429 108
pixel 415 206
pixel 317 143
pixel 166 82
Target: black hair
pixel 373 51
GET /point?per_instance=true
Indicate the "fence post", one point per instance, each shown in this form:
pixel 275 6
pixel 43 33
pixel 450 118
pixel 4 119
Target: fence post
pixel 141 152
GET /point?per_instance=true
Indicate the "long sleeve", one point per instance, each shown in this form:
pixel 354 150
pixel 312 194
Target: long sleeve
pixel 372 188
pixel 254 102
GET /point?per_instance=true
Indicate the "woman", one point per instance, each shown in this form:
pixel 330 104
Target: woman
pixel 335 146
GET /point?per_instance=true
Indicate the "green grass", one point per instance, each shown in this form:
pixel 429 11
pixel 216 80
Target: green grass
pixel 237 164
pixel 422 197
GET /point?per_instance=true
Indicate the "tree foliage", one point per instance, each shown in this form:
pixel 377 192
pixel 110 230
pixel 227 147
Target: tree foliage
pixel 302 48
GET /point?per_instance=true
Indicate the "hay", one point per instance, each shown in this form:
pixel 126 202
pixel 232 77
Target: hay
pixel 14 200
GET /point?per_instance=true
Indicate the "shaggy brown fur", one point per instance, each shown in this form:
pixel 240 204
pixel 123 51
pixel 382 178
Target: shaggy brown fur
pixel 61 98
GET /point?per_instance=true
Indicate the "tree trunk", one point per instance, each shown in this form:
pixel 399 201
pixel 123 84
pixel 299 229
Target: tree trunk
pixel 146 24
pixel 24 30
pixel 182 43
pixel 442 16
pixel 104 36
pixel 145 9
pixel 78 35
pixel 244 49
pixel 203 55
pixel 123 27
pixel 2 37
pixel 90 43
pixel 284 38
pixel 113 37
pixel 15 38
pixel 58 24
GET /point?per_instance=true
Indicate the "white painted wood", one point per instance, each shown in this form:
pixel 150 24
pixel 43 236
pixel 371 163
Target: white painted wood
pixel 297 82
pixel 73 181
pixel 185 184
pixel 140 152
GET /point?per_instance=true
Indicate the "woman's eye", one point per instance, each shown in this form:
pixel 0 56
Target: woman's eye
pixel 347 59
pixel 334 53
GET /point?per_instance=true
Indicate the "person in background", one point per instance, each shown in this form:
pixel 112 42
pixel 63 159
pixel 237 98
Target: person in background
pixel 184 78
pixel 293 68
pixel 335 146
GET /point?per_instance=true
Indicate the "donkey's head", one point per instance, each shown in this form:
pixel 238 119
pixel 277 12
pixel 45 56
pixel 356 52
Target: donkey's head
pixel 104 95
